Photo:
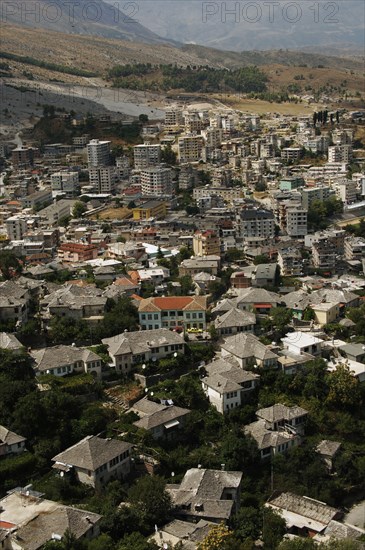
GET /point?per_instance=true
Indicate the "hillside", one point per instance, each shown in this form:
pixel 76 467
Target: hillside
pixel 82 17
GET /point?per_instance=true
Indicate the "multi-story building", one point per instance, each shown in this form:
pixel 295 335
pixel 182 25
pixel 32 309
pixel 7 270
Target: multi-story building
pixel 290 183
pixel 16 227
pixel 311 194
pixel 206 243
pixel 228 194
pixel 156 181
pixel 190 148
pixel 290 262
pixel 255 223
pixel 346 190
pixel 171 312
pixel 37 199
pixel 174 117
pixel 103 178
pixel 98 153
pixel 77 252
pixel 291 153
pixel 22 157
pixel 188 177
pixel 327 249
pixel 146 155
pixel 149 210
pixel 296 222
pixel 340 153
pixel 67 182
pixel 354 248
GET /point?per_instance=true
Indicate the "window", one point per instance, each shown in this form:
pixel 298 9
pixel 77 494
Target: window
pixel 143 316
pixel 155 316
pixel 200 315
pixel 149 316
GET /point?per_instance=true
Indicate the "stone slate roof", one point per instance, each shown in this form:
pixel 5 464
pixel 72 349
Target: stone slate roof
pixel 246 345
pixel 92 452
pixel 328 448
pixel 235 318
pixel 60 356
pixel 160 417
pixel 305 506
pixel 39 530
pixel 138 342
pixel 9 341
pixel 266 438
pixel 279 412
pixel 8 437
pixel 257 295
pixel 224 377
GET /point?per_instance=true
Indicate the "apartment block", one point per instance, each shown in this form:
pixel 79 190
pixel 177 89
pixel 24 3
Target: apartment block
pixel 146 155
pixel 67 182
pixel 206 243
pixel 103 178
pixel 98 153
pixel 340 153
pixel 296 222
pixel 190 148
pixel 311 194
pixel 156 181
pixel 255 223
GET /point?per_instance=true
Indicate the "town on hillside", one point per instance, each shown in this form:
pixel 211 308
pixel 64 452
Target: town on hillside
pixel 182 331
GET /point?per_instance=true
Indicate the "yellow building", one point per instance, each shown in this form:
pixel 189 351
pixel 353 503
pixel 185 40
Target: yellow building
pixel 206 243
pixel 150 209
pixel 327 312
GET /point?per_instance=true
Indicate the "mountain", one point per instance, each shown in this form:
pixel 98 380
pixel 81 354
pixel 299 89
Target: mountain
pixel 256 25
pixel 83 17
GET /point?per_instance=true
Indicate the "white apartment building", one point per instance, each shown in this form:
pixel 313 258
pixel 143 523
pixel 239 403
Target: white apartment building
pixel 311 194
pixel 354 248
pixel 340 153
pixel 16 226
pixel 156 181
pixel 98 153
pixel 103 178
pixel 146 155
pixel 190 148
pixel 65 181
pixel 291 153
pixel 346 190
pixel 296 222
pixel 212 136
pixel 255 223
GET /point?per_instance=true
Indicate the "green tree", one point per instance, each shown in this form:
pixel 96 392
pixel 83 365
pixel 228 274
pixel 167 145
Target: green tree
pixel 143 118
pixel 79 209
pixel 273 530
pixel 343 387
pixel 150 501
pixel 10 264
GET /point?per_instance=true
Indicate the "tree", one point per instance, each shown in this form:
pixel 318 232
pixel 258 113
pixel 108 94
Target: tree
pixel 150 500
pixel 168 155
pixel 64 221
pixel 136 541
pixel 79 209
pixel 261 259
pixel 10 265
pixel 143 118
pixel 343 387
pixel 273 530
pixel 218 538
pixel 103 542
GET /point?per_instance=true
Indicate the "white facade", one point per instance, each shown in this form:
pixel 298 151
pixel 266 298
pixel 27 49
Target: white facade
pixel 98 153
pixel 16 226
pixel 103 178
pixel 190 148
pixel 296 222
pixel 146 155
pixel 156 181
pixel 65 181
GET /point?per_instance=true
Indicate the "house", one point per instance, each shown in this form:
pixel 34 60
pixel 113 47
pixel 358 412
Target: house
pixel 10 342
pixel 302 342
pixel 354 352
pixel 271 442
pixel 62 360
pixel 258 300
pixel 203 280
pixel 162 421
pixel 75 302
pixel 212 495
pixel 95 461
pixel 154 275
pixel 190 535
pixel 265 274
pixel 327 451
pixel 356 369
pixel 234 321
pixel 304 516
pixel 326 312
pixel 290 362
pixel 126 285
pixel 105 273
pixel 172 312
pixel 132 348
pixel 226 385
pixel 11 443
pixel 282 417
pixel 248 351
pixel 197 264
pixel 30 521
